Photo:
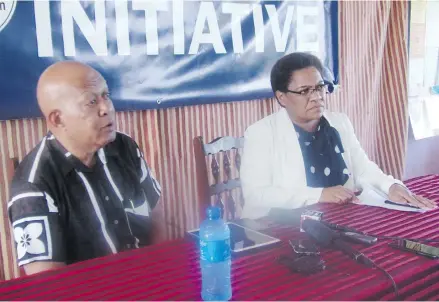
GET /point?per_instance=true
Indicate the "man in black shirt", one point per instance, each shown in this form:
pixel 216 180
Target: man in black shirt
pixel 85 191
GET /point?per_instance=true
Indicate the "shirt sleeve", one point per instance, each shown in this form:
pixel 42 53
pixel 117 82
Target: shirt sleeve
pixel 37 228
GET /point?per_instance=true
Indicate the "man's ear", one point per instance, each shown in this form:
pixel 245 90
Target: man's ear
pixel 54 119
pixel 281 98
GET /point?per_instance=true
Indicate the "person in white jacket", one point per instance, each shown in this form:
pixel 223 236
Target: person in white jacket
pixel 302 154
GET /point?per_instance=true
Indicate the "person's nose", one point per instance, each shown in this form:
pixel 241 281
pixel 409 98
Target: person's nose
pixel 106 107
pixel 315 96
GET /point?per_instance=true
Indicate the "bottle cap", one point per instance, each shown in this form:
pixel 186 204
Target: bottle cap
pixel 213 212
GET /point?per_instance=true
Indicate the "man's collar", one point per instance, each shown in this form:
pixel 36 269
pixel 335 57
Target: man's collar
pixel 61 157
pixel 68 162
pixel 111 149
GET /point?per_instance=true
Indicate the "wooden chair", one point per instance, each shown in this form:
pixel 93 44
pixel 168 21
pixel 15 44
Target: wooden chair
pixel 9 175
pixel 11 165
pixel 220 150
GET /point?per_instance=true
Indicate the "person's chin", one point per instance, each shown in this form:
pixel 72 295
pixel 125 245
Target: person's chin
pixel 109 137
pixel 315 114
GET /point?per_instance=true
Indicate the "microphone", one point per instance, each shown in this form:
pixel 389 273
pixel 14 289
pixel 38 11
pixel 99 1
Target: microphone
pixel 327 238
pixel 351 234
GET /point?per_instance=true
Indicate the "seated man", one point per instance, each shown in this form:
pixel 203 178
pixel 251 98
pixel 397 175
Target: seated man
pixel 302 155
pixel 85 191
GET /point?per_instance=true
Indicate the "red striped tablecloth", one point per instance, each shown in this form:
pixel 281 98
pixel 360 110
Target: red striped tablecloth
pixel 169 271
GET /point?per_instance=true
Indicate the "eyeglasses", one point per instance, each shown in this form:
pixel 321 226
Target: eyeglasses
pixel 307 92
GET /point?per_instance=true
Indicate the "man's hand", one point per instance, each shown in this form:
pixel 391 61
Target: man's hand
pixel 337 194
pixel 400 194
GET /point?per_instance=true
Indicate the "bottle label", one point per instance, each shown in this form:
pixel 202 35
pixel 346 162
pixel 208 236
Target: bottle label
pixel 215 251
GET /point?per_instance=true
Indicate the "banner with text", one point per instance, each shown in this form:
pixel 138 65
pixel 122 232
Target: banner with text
pixel 158 54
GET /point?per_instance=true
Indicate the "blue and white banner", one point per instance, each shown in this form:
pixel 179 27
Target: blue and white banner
pixel 158 54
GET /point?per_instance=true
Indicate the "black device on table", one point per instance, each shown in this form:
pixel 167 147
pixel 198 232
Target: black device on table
pixel 305 258
pixel 416 247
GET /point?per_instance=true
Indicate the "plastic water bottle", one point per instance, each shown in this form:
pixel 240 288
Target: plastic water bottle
pixel 215 258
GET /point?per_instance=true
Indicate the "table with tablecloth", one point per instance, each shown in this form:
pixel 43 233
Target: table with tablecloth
pixel 170 270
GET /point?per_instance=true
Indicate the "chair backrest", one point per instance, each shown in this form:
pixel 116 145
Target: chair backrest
pixel 11 165
pixel 225 161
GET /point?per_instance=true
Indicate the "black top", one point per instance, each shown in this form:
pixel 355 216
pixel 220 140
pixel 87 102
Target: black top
pixel 63 211
pixel 322 154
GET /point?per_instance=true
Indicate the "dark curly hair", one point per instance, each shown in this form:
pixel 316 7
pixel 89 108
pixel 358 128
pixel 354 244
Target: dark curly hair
pixel 285 66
